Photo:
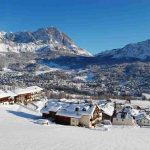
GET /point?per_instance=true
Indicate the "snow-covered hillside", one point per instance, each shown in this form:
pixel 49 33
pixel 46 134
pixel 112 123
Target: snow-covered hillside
pixel 20 132
pixel 140 50
pixel 43 40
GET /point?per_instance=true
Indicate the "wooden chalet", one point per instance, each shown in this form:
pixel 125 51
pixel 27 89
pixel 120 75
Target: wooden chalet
pixel 22 95
pixel 83 114
pixel 6 96
pixel 28 94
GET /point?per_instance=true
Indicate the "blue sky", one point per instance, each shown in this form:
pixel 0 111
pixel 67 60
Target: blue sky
pixel 94 25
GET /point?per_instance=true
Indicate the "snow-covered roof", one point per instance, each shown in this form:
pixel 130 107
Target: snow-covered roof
pixel 69 109
pixel 19 91
pixel 140 116
pixel 11 94
pixel 108 108
pixel 31 89
pixel 131 112
pixel 126 116
pixel 147 117
pixel 72 114
pixel 135 112
pixel 54 106
pixel 146 95
pixel 4 94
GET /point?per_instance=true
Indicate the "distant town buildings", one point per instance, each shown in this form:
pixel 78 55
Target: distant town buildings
pixel 126 81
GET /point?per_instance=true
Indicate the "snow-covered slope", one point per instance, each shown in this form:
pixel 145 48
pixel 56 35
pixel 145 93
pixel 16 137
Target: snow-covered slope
pixel 19 132
pixel 43 40
pixel 140 50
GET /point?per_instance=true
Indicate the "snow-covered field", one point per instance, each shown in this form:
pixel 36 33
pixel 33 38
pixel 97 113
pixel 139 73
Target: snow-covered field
pixel 18 131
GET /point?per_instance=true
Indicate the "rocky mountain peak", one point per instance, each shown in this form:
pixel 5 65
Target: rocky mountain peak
pixel 49 38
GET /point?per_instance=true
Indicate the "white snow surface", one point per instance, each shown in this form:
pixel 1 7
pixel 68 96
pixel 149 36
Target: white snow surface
pixel 20 132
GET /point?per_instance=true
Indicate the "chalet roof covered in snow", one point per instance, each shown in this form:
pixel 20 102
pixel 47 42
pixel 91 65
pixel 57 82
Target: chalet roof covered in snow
pixel 107 108
pixel 4 94
pixel 31 89
pixel 52 106
pixel 11 94
pixel 147 96
pixel 75 110
pixel 19 91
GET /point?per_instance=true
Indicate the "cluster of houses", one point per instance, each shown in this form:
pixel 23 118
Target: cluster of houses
pixel 90 113
pixel 22 95
pixel 131 114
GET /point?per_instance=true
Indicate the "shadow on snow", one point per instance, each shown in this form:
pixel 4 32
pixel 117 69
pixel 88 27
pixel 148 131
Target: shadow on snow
pixel 24 115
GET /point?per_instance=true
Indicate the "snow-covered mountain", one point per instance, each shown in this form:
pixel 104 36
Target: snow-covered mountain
pixel 140 50
pixel 130 53
pixel 46 40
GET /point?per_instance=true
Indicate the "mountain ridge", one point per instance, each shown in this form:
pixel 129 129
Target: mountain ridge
pixel 139 50
pixel 50 38
pixel 134 52
pixel 51 45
